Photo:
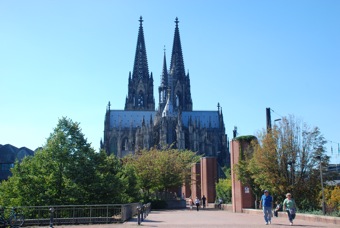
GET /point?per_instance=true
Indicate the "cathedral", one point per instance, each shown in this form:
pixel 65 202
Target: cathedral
pixel 170 124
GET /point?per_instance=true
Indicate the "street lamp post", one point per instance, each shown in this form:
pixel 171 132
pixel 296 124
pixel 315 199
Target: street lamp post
pixel 323 193
pixel 291 164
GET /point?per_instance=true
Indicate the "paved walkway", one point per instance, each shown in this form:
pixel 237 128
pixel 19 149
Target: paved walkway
pixel 208 218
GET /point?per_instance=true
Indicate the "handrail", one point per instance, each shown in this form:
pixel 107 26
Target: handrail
pixel 78 214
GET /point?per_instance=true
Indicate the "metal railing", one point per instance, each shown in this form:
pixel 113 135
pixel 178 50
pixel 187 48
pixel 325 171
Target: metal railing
pixel 78 214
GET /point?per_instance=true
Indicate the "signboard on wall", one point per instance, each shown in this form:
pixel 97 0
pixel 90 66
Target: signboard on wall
pixel 246 190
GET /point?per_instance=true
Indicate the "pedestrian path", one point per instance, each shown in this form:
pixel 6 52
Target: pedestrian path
pixel 208 218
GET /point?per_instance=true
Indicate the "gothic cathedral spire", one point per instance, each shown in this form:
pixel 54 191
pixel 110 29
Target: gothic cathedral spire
pixel 179 82
pixel 163 88
pixel 140 88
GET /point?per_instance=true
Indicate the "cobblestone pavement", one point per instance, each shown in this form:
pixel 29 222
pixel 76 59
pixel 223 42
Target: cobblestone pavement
pixel 207 218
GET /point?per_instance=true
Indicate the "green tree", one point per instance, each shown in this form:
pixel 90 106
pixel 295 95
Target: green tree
pixel 162 170
pixel 223 187
pixel 284 160
pixel 66 171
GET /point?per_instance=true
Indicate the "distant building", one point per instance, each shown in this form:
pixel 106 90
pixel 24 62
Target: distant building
pixel 8 155
pixel 142 126
pixel 333 175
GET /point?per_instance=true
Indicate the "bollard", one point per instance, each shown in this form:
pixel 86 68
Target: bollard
pixel 138 215
pixel 51 216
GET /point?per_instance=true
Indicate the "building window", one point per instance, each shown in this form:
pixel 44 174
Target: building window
pixel 140 99
pixel 125 144
pixel 177 100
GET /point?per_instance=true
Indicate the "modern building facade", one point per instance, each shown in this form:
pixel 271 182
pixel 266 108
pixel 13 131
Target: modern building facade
pixel 173 122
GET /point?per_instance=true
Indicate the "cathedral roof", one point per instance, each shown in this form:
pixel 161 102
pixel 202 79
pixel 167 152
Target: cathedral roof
pixel 205 119
pixel 126 119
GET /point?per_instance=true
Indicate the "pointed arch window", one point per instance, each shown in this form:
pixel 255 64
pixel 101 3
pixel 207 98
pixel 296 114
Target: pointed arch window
pixel 163 96
pixel 178 99
pixel 125 144
pixel 140 100
pixel 133 98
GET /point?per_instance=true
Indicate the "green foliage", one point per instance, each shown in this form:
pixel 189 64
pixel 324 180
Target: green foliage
pixel 223 187
pixel 245 138
pixel 284 160
pixel 223 190
pixel 68 171
pixel 307 205
pixel 161 170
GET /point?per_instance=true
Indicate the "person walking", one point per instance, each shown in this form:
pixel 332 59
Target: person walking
pixel 267 204
pixel 190 203
pixel 197 203
pixel 277 209
pixel 203 200
pixel 220 201
pixel 289 206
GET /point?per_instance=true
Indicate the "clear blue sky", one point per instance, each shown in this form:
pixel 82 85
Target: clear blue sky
pixel 69 58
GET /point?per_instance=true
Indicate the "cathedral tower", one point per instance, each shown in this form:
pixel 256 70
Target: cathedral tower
pixel 163 88
pixel 174 124
pixel 140 87
pixel 179 82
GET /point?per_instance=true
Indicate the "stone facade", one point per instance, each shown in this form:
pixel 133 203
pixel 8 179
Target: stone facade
pixel 173 123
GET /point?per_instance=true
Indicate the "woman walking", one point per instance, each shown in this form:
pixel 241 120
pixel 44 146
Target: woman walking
pixel 289 206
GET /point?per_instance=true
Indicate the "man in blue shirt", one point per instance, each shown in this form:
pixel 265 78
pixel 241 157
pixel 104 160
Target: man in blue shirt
pixel 267 205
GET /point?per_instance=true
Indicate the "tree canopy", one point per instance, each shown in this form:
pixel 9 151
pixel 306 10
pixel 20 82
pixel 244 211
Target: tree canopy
pixel 285 159
pixel 67 170
pixel 162 170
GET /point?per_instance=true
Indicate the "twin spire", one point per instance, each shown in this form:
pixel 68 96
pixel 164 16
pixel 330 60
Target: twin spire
pixel 174 85
pixel 140 67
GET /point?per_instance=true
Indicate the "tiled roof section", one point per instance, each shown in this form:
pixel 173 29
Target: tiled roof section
pixel 208 119
pixel 127 119
pixel 121 118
